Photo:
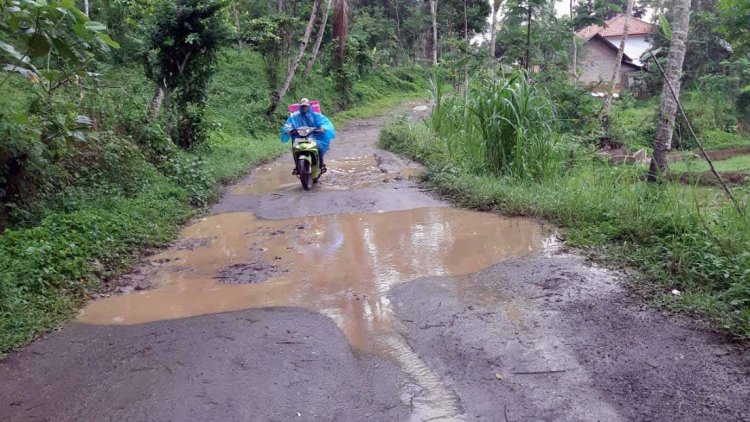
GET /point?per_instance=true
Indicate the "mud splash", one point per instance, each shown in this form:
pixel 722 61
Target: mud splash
pixel 339 265
pixel 344 173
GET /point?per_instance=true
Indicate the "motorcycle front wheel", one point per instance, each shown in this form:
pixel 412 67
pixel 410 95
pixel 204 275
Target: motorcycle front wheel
pixel 305 174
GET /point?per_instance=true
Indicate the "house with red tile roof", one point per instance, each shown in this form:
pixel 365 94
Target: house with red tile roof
pixel 600 45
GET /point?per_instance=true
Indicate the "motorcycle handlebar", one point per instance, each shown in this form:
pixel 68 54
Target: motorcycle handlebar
pixel 295 132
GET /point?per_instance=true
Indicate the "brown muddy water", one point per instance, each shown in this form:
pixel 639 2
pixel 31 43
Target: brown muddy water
pixel 340 265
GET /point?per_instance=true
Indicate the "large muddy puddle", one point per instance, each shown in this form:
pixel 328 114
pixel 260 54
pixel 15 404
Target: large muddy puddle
pixel 340 265
pixel 343 174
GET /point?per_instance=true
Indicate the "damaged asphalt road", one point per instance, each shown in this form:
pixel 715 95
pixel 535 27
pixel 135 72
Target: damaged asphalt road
pixel 370 299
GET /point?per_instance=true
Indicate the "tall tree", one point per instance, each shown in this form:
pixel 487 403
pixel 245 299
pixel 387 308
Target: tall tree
pixel 278 96
pixel 493 26
pixel 184 41
pixel 238 26
pixel 318 39
pixel 617 64
pixel 574 65
pixel 341 28
pixel 735 24
pixel 433 11
pixel 520 15
pixel 668 108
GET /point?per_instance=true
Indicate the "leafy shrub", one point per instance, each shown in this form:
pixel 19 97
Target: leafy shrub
pixel 184 40
pixel 191 173
pixel 635 128
pixel 515 121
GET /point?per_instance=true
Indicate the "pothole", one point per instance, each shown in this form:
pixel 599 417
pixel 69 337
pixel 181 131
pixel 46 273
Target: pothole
pixel 341 265
pixel 191 244
pixel 253 272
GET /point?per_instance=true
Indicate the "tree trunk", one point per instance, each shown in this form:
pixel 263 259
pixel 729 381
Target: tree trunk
pixel 433 11
pixel 574 68
pixel 668 108
pixel 86 7
pixel 341 29
pixel 318 39
pixel 279 95
pixel 236 15
pixel 398 29
pixel 495 5
pixel 528 36
pixel 154 107
pixel 618 64
pixel 466 40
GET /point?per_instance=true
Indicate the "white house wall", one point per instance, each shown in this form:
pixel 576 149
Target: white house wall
pixel 598 63
pixel 635 46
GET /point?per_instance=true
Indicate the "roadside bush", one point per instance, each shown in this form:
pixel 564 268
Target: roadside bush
pixel 191 173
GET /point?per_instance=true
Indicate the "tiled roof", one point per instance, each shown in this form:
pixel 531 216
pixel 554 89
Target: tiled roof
pixel 615 26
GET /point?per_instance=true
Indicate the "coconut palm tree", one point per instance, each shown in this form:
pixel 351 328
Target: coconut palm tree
pixel 668 108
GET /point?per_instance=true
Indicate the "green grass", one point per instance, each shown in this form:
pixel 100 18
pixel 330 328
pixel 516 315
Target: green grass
pixel 635 127
pixel 118 198
pixel 739 163
pixel 702 251
pixel 716 140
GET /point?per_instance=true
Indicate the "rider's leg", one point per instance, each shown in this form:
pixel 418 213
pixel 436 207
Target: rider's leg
pixel 323 168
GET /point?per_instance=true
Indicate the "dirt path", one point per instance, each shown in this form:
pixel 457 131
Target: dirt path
pixel 369 299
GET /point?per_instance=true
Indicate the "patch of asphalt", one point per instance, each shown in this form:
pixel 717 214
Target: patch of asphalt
pixel 554 338
pixel 261 364
pixel 394 197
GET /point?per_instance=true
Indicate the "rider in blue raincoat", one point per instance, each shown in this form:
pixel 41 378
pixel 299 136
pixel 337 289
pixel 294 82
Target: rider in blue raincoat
pixel 305 116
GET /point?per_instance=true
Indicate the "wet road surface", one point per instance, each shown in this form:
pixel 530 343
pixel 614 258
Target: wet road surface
pixel 369 299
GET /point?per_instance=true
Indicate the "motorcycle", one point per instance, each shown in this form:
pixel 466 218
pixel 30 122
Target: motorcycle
pixel 306 155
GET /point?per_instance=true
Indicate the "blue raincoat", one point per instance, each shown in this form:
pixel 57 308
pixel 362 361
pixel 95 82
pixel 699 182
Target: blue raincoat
pixel 310 119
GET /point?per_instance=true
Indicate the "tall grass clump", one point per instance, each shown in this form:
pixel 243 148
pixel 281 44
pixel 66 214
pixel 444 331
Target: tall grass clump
pixel 503 126
pixel 514 120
